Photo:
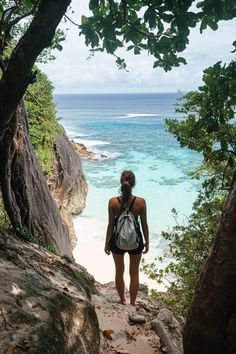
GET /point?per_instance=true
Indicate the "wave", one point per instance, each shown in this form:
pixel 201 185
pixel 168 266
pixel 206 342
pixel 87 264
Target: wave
pixel 91 143
pixel 104 155
pixel 73 134
pixel 134 115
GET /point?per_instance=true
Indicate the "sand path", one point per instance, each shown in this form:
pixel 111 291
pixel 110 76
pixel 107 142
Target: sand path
pixel 120 330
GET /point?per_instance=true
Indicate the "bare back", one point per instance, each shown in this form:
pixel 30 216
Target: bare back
pixel 137 207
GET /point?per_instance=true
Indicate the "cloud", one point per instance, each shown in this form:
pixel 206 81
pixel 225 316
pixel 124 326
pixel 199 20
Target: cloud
pixel 71 72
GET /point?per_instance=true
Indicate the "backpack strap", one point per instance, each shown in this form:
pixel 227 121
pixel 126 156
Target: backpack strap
pixel 132 204
pixel 130 207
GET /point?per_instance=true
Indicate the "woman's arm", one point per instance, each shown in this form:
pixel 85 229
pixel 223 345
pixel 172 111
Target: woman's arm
pixel 111 219
pixel 143 217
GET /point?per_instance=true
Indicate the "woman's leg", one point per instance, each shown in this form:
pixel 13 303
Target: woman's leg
pixel 134 276
pixel 119 277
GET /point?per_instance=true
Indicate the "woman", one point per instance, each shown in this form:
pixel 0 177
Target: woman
pixel 137 206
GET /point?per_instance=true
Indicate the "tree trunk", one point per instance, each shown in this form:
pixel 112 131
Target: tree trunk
pixel 208 328
pixel 25 191
pixel 18 75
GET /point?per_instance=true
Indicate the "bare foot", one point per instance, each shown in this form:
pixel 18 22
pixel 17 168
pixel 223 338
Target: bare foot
pixel 122 302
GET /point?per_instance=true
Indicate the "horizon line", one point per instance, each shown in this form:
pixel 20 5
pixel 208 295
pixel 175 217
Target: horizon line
pixel 119 93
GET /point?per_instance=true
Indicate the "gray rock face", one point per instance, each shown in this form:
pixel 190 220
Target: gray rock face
pixel 169 330
pixel 68 184
pixel 45 303
pixel 26 195
pixel 166 316
pixel 166 338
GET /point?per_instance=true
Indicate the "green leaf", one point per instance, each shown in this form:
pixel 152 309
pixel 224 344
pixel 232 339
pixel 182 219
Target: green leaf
pixel 203 24
pixel 28 4
pixel 212 24
pixel 84 20
pixel 136 50
pixel 93 4
pixel 150 17
pixel 231 113
pixel 121 63
pixel 182 60
pixel 224 145
pixel 234 44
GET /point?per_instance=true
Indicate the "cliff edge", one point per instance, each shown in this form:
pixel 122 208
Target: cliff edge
pixel 68 184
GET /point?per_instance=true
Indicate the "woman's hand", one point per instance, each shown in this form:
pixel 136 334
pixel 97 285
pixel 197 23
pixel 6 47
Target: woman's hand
pixel 107 249
pixel 146 248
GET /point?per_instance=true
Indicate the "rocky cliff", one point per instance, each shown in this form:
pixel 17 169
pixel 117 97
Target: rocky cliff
pixel 67 183
pixel 45 305
pixel 49 305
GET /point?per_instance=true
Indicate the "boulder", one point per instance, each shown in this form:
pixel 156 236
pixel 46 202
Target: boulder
pixel 45 305
pixel 83 152
pixel 166 316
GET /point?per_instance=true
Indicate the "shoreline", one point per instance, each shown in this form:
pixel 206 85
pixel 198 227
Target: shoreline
pixel 84 153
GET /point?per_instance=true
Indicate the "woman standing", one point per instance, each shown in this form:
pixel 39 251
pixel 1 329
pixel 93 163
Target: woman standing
pixel 137 206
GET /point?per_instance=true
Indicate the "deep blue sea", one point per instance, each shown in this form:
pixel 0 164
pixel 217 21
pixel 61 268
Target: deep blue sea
pixel 128 130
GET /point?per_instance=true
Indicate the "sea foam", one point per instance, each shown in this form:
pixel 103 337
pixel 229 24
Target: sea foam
pixel 134 115
pixel 91 143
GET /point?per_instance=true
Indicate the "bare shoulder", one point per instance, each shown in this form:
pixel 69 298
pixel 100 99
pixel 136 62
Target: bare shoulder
pixel 112 201
pixel 141 202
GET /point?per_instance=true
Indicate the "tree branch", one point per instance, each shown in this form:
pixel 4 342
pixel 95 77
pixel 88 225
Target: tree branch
pixel 2 64
pixel 18 73
pixel 74 23
pixel 18 19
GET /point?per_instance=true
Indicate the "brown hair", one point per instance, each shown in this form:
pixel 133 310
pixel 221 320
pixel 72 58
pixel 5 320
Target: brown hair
pixel 127 180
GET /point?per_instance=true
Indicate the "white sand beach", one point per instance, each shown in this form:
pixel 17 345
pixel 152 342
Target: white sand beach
pixel 89 252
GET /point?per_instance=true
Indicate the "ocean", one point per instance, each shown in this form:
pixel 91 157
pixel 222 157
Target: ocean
pixel 127 131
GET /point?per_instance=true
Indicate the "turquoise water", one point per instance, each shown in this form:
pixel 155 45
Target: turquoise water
pixel 129 131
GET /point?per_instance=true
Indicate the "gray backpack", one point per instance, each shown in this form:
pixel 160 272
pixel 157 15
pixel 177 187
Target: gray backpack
pixel 126 230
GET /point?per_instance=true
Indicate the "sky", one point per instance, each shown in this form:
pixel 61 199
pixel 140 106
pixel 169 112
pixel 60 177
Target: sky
pixel 73 72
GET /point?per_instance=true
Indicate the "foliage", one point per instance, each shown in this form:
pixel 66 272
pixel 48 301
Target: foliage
pixel 43 123
pixel 188 250
pixel 52 249
pixel 11 14
pixel 210 124
pixel 209 128
pixel 46 54
pixel 26 234
pixel 160 27
pixel 39 99
pixel 15 18
pixel 4 220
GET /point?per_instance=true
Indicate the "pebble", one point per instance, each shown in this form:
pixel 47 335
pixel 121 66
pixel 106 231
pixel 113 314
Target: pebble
pixel 137 318
pixel 142 311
